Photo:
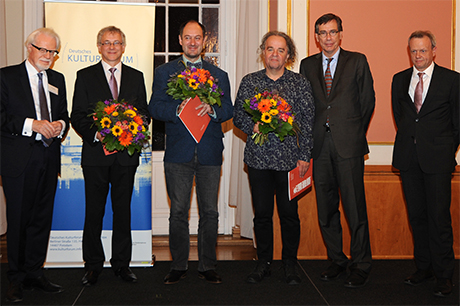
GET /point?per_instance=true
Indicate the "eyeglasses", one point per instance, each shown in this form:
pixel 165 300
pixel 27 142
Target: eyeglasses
pixel 323 34
pixel 44 51
pixel 108 43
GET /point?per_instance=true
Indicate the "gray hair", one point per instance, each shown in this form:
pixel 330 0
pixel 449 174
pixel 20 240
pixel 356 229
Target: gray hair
pixel 46 31
pixel 111 29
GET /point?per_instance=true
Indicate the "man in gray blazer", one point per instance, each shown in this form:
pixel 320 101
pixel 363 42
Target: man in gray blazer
pixel 344 101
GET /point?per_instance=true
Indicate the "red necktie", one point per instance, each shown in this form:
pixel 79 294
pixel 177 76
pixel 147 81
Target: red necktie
pixel 328 77
pixel 113 84
pixel 418 94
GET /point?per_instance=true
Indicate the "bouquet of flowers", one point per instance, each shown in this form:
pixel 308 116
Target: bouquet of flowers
pixel 121 125
pixel 274 115
pixel 195 82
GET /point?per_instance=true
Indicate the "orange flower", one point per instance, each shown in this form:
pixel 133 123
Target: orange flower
pixel 125 139
pixel 264 105
pixel 138 120
pixel 110 109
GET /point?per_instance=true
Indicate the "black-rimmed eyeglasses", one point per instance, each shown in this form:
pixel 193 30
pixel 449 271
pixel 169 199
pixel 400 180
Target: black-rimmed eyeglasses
pixel 44 50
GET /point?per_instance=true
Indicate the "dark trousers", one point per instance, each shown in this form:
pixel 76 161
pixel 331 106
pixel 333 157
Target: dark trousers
pixel 265 184
pixel 428 198
pixel 332 173
pixel 97 182
pixel 30 201
pixel 179 183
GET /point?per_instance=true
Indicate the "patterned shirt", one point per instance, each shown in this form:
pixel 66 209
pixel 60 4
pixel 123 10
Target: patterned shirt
pixel 275 154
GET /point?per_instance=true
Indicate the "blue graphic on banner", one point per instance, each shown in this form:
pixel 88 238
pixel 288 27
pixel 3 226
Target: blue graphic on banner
pixel 69 205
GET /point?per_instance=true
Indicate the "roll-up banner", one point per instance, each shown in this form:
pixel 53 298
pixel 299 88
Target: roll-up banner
pixel 77 23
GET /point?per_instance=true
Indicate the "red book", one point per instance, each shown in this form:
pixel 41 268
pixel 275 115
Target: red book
pixel 299 184
pixel 195 124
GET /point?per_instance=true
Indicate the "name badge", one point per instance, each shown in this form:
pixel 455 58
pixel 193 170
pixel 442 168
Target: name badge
pixel 53 89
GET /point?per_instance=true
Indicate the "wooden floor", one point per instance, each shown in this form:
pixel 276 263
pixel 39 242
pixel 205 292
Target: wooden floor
pixel 228 248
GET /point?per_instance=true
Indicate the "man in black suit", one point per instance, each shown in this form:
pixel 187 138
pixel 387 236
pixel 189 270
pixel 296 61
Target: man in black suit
pixel 426 103
pixel 34 119
pixel 101 170
pixel 344 102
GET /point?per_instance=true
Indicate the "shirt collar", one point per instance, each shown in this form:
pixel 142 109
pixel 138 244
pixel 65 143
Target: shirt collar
pixel 106 66
pixel 31 71
pixel 187 61
pixel 335 56
pixel 428 71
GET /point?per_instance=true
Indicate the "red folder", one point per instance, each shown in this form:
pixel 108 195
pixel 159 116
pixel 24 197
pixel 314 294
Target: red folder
pixel 195 124
pixel 298 184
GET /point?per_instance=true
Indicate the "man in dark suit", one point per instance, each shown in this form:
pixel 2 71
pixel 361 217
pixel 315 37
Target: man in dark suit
pixel 185 159
pixel 101 169
pixel 344 102
pixel 34 119
pixel 426 103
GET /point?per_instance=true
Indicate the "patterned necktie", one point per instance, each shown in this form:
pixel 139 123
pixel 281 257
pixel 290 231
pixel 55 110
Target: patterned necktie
pixel 197 65
pixel 328 76
pixel 418 94
pixel 44 113
pixel 113 84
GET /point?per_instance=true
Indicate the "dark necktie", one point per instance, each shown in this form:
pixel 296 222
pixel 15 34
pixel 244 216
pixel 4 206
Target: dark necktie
pixel 45 115
pixel 197 65
pixel 418 94
pixel 328 76
pixel 113 84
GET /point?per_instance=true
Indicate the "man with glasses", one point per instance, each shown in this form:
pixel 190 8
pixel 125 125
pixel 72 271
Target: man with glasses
pixel 34 119
pixel 106 80
pixel 344 98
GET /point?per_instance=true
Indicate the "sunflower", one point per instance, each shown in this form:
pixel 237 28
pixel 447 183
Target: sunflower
pixel 116 130
pixel 273 112
pixel 105 122
pixel 133 127
pixel 266 117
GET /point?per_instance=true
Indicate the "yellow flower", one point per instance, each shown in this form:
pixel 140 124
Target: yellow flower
pixel 133 127
pixel 266 117
pixel 290 120
pixel 105 122
pixel 258 96
pixel 210 83
pixel 115 114
pixel 143 128
pixel 180 76
pixel 116 130
pixel 130 113
pixel 273 102
pixel 273 112
pixel 192 83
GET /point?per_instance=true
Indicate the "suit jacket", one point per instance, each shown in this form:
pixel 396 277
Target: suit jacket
pixel 435 127
pixel 349 106
pixel 91 86
pixel 17 104
pixel 180 146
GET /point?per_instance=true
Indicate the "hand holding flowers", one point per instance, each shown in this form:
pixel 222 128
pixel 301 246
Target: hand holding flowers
pixel 121 126
pixel 272 114
pixel 194 82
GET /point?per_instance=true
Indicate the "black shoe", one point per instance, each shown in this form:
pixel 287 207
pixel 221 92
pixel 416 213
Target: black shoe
pixel 14 293
pixel 174 276
pixel 43 284
pixel 90 278
pixel 126 274
pixel 210 276
pixel 262 269
pixel 419 277
pixel 290 272
pixel 443 287
pixel 357 278
pixel 332 272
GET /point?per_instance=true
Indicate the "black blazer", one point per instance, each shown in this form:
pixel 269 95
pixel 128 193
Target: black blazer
pixel 91 86
pixel 435 127
pixel 17 104
pixel 349 106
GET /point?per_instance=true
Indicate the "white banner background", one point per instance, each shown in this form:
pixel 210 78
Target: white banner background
pixel 77 23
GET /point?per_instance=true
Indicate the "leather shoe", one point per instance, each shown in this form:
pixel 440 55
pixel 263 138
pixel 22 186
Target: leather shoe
pixel 332 272
pixel 210 276
pixel 443 287
pixel 357 278
pixel 126 274
pixel 14 293
pixel 290 273
pixel 419 277
pixel 90 278
pixel 43 284
pixel 262 269
pixel 174 276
